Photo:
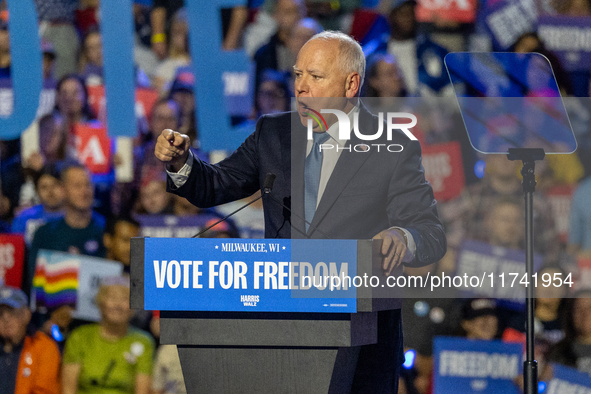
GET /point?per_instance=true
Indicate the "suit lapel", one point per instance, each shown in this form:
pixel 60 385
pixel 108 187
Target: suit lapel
pixel 297 157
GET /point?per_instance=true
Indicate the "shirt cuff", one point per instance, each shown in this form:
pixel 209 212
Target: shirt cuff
pixel 180 178
pixel 410 245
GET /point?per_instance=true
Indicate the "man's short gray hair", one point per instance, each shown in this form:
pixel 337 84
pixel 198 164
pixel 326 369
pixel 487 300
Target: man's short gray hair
pixel 351 55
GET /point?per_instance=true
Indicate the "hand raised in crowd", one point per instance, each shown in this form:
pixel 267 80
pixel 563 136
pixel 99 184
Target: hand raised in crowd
pixel 172 148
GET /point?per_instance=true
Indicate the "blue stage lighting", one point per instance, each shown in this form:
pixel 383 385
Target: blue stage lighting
pixel 56 333
pixel 409 358
pixel 479 168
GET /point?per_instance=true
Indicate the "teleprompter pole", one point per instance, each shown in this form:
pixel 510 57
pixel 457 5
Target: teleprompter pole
pixel 528 156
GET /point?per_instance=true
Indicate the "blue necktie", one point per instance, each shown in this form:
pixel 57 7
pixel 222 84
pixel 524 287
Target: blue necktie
pixel 312 176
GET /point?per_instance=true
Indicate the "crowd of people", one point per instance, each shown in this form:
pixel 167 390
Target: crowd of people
pixel 56 203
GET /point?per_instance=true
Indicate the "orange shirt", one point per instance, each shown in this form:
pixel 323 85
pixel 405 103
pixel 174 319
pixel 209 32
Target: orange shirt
pixel 39 366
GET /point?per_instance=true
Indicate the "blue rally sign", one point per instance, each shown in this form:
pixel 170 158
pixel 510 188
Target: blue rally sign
pixel 469 366
pixel 231 275
pixel 25 54
pixel 568 380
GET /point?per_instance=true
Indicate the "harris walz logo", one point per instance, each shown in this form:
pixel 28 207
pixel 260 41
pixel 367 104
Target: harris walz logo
pixel 345 129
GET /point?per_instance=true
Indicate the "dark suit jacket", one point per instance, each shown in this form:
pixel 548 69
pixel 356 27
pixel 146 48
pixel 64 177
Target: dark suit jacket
pixel 366 193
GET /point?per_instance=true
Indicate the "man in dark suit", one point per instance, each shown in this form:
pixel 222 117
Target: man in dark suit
pixel 358 194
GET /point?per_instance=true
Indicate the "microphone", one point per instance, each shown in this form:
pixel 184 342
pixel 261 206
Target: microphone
pixel 287 212
pixel 267 187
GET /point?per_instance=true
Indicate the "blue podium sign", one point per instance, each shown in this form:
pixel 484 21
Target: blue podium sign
pixel 468 366
pixel 232 275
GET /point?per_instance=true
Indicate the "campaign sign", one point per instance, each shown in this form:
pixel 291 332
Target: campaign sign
pixel 462 11
pixel 238 87
pixel 568 380
pixel 569 38
pixel 475 366
pixel 46 98
pixel 145 98
pixel 506 20
pixel 171 226
pixel 501 271
pixel 560 197
pixel 226 274
pixel 97 101
pixel 444 169
pixel 12 254
pixel 93 147
pixel 71 279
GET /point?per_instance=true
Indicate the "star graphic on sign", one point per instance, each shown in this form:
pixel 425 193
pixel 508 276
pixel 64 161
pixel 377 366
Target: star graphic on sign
pixel 284 248
pixel 216 246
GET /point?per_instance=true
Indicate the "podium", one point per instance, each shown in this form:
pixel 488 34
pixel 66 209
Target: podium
pixel 274 340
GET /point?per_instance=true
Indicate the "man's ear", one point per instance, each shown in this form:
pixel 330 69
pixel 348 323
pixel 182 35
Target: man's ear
pixel 352 85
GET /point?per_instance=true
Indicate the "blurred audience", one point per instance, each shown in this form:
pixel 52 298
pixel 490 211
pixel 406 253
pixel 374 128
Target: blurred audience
pixel 573 7
pixel 57 26
pixel 273 94
pixel 579 234
pixel 549 308
pixel 117 239
pixel 71 104
pixel 465 216
pixel 29 360
pixel 275 54
pixel 80 231
pixel 5 60
pixel 99 357
pixel 153 199
pixel 51 197
pixel 161 19
pixel 575 349
pixel 167 377
pixel 91 59
pixel 177 55
pixel 182 93
pixel 480 319
pixel 384 78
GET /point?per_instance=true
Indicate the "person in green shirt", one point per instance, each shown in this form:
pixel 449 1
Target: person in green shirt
pixel 110 357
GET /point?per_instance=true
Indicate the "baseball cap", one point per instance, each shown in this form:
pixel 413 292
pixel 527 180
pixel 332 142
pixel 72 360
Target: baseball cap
pixel 479 307
pixel 13 297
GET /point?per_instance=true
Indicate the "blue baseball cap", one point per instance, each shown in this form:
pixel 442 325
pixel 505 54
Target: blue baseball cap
pixel 13 297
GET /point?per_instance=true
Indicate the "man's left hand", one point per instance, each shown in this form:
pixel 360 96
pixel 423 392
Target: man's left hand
pixel 394 248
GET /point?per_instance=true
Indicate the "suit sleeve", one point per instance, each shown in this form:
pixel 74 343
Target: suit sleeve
pixel 231 179
pixel 411 205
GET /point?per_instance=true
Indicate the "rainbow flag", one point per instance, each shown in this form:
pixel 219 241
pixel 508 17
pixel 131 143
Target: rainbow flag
pixel 56 280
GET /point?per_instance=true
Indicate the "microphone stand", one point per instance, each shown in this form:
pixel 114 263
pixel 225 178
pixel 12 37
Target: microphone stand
pixel 528 156
pixel 267 187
